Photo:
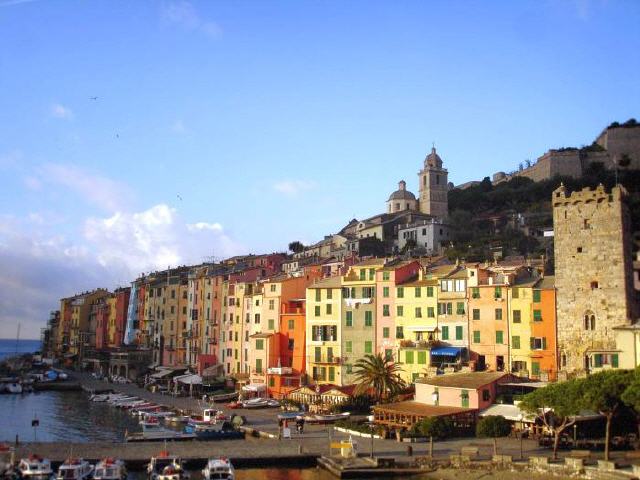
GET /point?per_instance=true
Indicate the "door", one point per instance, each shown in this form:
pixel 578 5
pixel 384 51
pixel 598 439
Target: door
pixel 465 398
pixel 500 363
pixel 481 363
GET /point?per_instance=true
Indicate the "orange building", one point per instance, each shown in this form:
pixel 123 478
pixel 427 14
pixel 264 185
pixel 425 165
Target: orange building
pixel 544 361
pixel 488 327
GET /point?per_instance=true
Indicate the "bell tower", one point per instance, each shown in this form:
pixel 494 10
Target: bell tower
pixel 434 185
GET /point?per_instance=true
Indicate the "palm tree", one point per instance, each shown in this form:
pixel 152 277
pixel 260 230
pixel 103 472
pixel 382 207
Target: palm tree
pixel 380 374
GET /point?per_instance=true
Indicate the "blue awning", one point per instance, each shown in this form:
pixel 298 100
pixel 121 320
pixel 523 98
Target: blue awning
pixel 447 351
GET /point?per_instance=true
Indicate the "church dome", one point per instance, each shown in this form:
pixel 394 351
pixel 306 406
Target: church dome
pixel 402 193
pixel 433 159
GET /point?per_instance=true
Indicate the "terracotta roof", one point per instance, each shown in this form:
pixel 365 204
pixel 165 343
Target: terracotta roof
pixel 470 380
pixel 547 282
pixel 421 409
pixel 331 282
pixel 371 261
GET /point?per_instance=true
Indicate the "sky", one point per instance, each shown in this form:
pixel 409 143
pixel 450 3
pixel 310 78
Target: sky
pixel 140 135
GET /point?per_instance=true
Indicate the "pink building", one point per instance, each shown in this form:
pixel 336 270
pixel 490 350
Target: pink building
pixel 475 390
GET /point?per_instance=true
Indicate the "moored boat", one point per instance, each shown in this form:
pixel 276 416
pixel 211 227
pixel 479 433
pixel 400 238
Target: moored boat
pixel 326 418
pixel 74 469
pixel 166 467
pixel 219 469
pixel 176 419
pixel 110 469
pixel 256 403
pixel 224 397
pixel 34 466
pixel 7 458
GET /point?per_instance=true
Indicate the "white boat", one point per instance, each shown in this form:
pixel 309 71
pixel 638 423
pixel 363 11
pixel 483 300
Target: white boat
pixel 13 387
pixel 161 414
pixel 35 466
pixel 219 469
pixel 256 403
pixel 326 418
pixel 175 419
pixel 74 469
pixel 110 469
pixel 166 467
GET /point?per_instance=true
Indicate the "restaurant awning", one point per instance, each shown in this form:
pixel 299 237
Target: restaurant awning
pixel 191 380
pixel 447 351
pixel 254 387
pixel 165 372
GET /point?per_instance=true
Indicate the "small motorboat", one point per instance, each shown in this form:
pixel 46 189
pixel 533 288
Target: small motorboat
pixel 13 387
pixel 161 414
pixel 219 469
pixel 148 421
pixel 326 418
pixel 74 469
pixel 34 466
pixel 290 415
pixel 176 419
pixel 224 397
pixel 110 469
pixel 166 467
pixel 256 403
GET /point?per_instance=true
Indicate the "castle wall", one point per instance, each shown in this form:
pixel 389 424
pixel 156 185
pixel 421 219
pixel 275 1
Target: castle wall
pixel 622 140
pixel 593 270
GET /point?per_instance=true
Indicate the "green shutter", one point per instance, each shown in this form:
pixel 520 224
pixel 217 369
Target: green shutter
pixel 476 336
pixel 317 310
pixel 400 292
pixel 271 324
pixel 258 365
pixel 445 333
pixel 544 343
pixel 597 359
pixel 515 342
pixel 348 346
pixel 385 332
pixel 535 368
pixel 430 312
pixel 368 348
pixel 349 319
pixel 318 293
pixel 459 332
pixel 537 316
pixel 429 291
pixel 408 357
pixel 614 360
pixel 318 354
pixel 385 276
pixel 536 296
pixel 332 374
pixel 422 358
pixel 499 337
pixel 385 292
pixel 418 292
pixel 399 332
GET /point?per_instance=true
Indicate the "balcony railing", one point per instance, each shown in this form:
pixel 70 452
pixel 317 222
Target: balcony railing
pixel 325 359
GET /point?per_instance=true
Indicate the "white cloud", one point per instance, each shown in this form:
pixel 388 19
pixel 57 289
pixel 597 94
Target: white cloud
pixel 108 194
pixel 293 188
pixel 214 227
pixel 178 127
pixel 60 111
pixel 184 14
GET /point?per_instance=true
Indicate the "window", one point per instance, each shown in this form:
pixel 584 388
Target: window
pixel 388 354
pixel 418 312
pixel 535 368
pixel 594 285
pixel 291 343
pixel 476 314
pixel 445 333
pixel 399 311
pixel 318 354
pixel 515 293
pixel 349 368
pixel 368 347
pixel 332 374
pixel 517 316
pixel 408 357
pixel 486 395
pixel 345 292
pixel 271 324
pixel 317 310
pixel 430 312
pixel 368 292
pixel 385 276
pixel 400 292
pixel 272 287
pixel 272 382
pixel 259 344
pixel 460 308
pixel 515 342
pixel 579 250
pixel 537 316
pixel 318 294
pixel 385 310
pixel 459 332
pixel 399 332
pixel 368 318
pixel 372 273
pixel 328 308
pixel 429 291
pixel 476 336
pixel 475 292
pixel 329 294
pixel 385 292
pixel 258 365
pixel 499 337
pixel 497 293
pixel 498 314
pixel 348 346
pixel 349 319
pixel 385 332
pixel 422 358
pixel 589 321
pixel 418 292
pixel 538 343
pixel 536 296
pixel 291 324
pixel 363 274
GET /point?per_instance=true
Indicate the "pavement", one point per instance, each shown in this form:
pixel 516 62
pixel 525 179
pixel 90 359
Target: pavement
pixel 314 441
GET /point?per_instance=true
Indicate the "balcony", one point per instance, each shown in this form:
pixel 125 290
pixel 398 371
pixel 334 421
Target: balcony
pixel 279 371
pixel 419 344
pixel 325 359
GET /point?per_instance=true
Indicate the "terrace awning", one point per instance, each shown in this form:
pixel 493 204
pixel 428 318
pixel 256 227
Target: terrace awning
pixel 447 351
pixel 191 380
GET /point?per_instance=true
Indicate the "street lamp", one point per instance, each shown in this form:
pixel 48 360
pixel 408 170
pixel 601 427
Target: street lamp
pixel 520 418
pixel 371 419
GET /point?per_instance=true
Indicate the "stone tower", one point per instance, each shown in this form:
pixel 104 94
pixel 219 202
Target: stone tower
pixel 593 274
pixel 433 186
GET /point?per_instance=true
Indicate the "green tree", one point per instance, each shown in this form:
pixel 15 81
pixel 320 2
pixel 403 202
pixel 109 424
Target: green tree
pixel 296 247
pixel 409 245
pixel 493 426
pixel 602 392
pixel 379 374
pixel 438 427
pixel 631 396
pixel 557 404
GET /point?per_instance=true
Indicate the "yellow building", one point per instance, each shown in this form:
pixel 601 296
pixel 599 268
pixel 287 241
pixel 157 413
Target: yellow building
pixel 111 322
pixel 520 304
pixel 323 333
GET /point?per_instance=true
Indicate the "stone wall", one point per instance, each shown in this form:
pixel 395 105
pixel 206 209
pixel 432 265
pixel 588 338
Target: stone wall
pixel 622 140
pixel 593 270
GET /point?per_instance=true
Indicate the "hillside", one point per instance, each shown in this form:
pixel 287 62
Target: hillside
pixel 484 218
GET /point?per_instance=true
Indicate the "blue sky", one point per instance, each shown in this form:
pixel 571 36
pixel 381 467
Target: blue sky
pixel 233 127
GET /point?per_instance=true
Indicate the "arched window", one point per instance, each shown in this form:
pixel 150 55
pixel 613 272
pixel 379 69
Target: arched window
pixel 589 320
pixel 593 322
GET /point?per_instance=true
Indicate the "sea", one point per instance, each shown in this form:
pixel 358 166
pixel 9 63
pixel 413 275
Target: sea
pixel 10 347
